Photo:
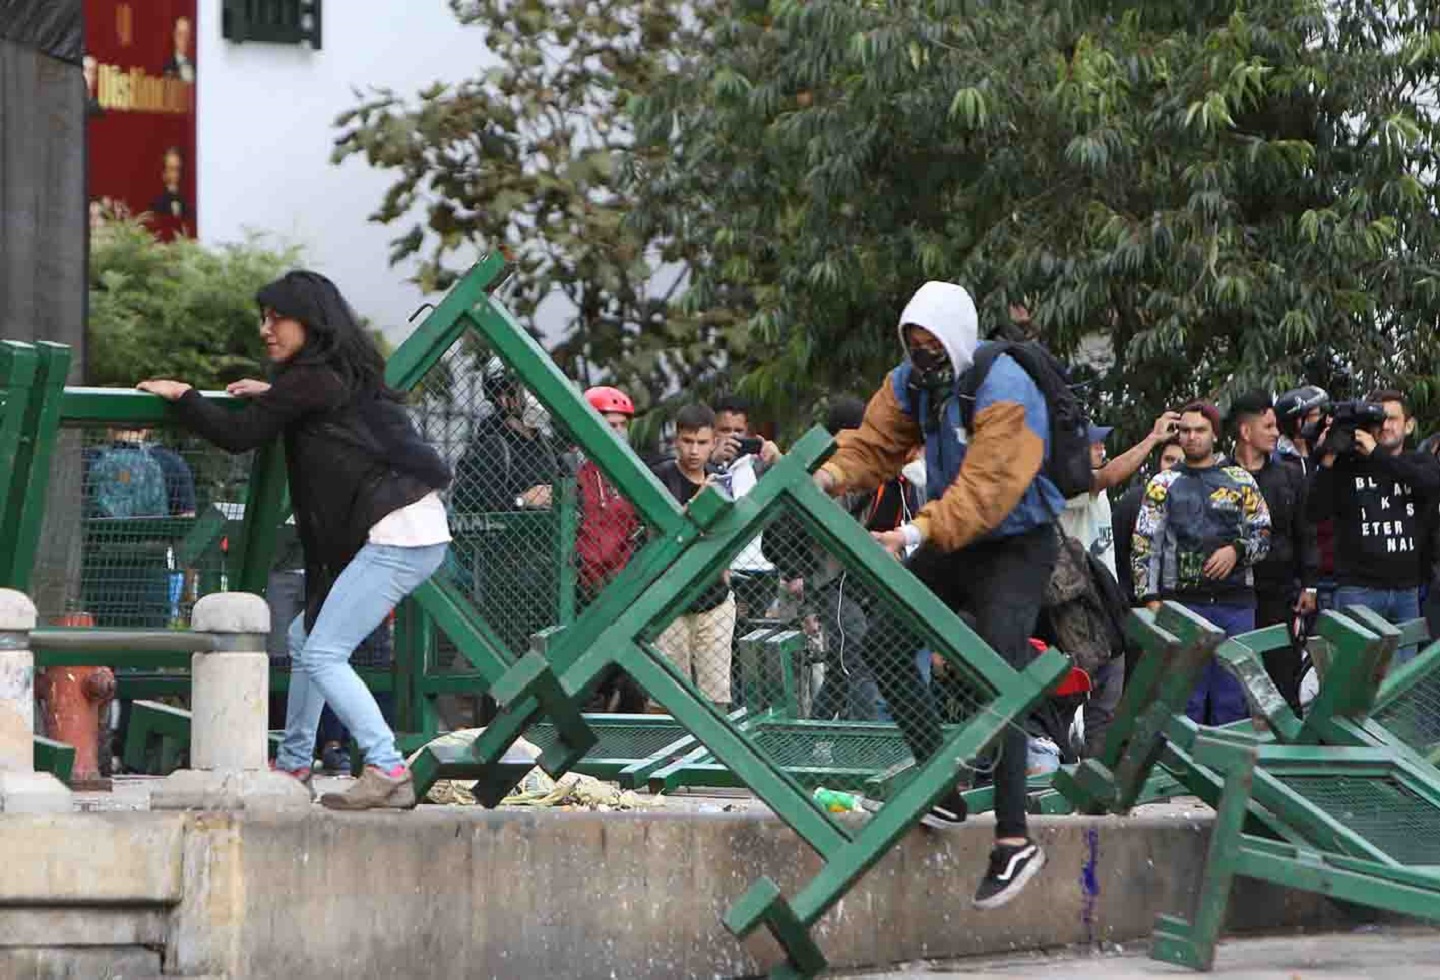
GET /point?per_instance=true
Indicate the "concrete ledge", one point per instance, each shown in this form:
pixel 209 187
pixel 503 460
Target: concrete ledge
pixel 460 892
pixel 464 893
pixel 122 963
pixel 91 859
pixel 84 927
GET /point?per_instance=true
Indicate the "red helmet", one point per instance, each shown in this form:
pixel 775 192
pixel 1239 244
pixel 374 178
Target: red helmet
pixel 605 399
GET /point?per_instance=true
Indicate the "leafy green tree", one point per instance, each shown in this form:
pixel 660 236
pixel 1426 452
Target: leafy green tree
pixel 175 309
pixel 1203 196
pixel 525 158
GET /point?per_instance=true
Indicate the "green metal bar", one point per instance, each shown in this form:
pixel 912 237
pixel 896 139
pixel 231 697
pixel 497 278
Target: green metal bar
pixel 1194 946
pixel 128 657
pixel 1353 675
pixel 264 513
pixel 120 640
pixel 567 528
pixel 932 780
pixel 472 636
pixel 18 363
pixel 444 325
pixel 559 395
pixel 1403 678
pixel 32 463
pixel 126 406
pixel 411 625
pixel 54 757
pixel 1241 656
pixel 919 609
pixel 787 798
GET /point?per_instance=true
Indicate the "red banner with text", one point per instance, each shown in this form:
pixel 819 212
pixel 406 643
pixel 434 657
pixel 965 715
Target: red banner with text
pixel 140 74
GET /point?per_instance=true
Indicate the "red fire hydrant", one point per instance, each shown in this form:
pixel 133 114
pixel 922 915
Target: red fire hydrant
pixel 76 702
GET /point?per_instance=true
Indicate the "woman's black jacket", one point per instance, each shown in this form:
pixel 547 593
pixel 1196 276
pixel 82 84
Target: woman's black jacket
pixel 350 461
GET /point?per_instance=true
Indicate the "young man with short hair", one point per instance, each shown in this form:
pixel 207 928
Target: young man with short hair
pixel 698 642
pixel 1285 581
pixel 1380 498
pixel 1201 529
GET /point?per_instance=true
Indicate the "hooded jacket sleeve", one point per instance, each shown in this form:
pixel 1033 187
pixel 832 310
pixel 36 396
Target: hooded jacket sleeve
pixel 1005 452
pixel 875 452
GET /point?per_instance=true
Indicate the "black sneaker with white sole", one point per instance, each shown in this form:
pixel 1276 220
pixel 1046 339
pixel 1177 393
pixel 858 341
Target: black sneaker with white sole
pixel 1011 868
pixel 949 812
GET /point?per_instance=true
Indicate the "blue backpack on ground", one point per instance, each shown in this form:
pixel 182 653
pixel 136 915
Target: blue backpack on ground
pixel 127 481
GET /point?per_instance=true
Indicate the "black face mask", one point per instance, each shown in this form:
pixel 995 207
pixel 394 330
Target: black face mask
pixel 932 371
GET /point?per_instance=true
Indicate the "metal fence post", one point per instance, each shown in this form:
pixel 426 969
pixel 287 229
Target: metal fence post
pixel 22 789
pixel 229 685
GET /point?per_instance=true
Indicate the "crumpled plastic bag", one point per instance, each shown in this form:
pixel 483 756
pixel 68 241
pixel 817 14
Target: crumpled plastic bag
pixel 536 789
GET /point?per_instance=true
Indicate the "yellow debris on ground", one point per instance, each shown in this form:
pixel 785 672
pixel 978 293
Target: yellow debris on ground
pixel 573 790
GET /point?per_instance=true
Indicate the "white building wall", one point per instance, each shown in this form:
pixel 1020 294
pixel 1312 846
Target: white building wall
pixel 266 129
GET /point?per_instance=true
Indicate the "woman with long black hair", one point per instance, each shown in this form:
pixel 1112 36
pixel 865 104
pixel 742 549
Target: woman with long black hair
pixel 364 488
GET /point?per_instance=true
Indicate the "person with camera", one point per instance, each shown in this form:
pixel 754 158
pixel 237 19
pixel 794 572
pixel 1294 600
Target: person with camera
pixel 1285 580
pixel 1202 528
pixel 1380 498
pixel 1298 412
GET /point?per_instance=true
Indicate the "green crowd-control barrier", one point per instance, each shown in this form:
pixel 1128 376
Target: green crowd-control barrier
pixel 682 554
pixel 1333 803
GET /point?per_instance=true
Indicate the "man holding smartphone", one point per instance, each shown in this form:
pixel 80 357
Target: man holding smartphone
pixel 743 457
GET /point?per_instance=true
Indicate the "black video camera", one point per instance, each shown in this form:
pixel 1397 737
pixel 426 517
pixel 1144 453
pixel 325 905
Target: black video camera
pixel 1343 418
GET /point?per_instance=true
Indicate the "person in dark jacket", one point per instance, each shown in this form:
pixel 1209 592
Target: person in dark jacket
pixel 1285 581
pixel 509 463
pixel 1380 497
pixel 364 488
pixel 983 542
pixel 1123 517
pixel 1202 528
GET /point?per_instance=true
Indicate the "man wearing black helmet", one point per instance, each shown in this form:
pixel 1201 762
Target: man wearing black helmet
pixel 510 463
pixel 1294 410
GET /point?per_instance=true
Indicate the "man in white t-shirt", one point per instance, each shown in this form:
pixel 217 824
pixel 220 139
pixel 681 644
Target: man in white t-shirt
pixel 1087 519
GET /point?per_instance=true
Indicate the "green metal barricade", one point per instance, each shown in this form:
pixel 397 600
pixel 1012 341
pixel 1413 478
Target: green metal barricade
pixel 659 613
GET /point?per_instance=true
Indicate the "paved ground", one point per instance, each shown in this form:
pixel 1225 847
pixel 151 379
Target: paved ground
pixel 1367 954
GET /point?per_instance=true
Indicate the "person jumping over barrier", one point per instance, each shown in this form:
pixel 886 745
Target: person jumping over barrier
pixel 983 542
pixel 365 490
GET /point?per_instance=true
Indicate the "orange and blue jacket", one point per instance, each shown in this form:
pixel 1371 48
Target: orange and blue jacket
pixel 985 483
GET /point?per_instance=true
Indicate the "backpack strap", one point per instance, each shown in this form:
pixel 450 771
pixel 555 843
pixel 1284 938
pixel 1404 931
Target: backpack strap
pixel 968 387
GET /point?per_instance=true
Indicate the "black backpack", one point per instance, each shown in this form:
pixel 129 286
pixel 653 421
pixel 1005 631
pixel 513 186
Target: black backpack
pixel 1069 466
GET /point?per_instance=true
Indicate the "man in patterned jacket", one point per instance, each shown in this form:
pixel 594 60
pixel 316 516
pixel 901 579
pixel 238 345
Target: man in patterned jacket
pixel 1202 528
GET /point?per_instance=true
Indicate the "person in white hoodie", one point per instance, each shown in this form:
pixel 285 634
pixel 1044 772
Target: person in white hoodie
pixel 983 542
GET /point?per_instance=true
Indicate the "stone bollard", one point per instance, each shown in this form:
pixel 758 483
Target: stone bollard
pixel 22 789
pixel 229 699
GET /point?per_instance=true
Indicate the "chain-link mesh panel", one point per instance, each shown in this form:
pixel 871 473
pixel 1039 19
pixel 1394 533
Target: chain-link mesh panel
pixel 538 530
pixel 1414 716
pixel 138 525
pixel 637 741
pixel 1388 814
pixel 824 663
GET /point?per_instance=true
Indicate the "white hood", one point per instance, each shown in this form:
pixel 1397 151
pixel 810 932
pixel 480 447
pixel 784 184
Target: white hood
pixel 947 311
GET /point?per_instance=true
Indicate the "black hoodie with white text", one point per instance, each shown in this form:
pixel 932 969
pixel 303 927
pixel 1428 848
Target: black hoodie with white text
pixel 1381 507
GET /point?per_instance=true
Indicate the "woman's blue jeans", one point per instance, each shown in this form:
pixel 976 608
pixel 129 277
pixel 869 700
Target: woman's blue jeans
pixel 370 586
